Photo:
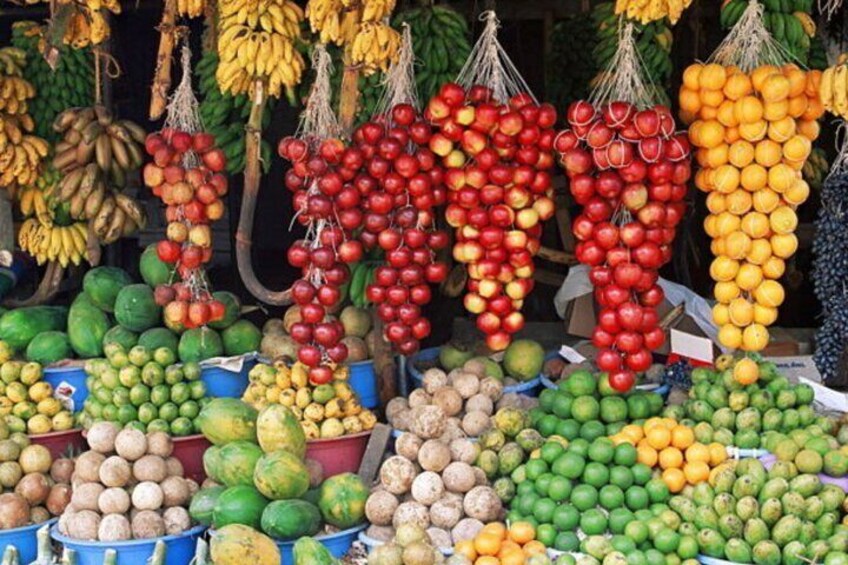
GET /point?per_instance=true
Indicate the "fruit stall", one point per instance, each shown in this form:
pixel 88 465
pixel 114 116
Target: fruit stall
pixel 531 283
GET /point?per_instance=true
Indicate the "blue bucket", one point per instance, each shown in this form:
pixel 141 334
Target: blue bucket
pixel 363 380
pixel 338 544
pixel 179 548
pixel 24 539
pixel 73 376
pixel 221 383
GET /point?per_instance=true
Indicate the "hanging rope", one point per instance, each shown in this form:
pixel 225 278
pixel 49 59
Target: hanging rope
pixel 625 79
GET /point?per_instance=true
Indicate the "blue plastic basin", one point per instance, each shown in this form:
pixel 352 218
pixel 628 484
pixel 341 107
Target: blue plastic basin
pixel 221 383
pixel 74 376
pixel 24 539
pixel 179 549
pixel 363 380
pixel 338 544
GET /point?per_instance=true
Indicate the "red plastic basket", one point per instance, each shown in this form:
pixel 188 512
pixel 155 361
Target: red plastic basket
pixel 59 442
pixel 339 455
pixel 189 450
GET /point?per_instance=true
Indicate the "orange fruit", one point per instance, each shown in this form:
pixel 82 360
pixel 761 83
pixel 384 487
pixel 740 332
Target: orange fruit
pixel 534 548
pixel 814 110
pixel 775 266
pixel 759 75
pixel 748 110
pixel 659 437
pixel 722 269
pixel 773 111
pixel 782 130
pixel 726 114
pixel 682 437
pixel 767 153
pixel 670 457
pixel 765 315
pixel 513 557
pixel 497 528
pixel 809 129
pixel 466 548
pixel 721 314
pixel 710 99
pixel 749 276
pixel 487 560
pixel 783 220
pixel 730 336
pixel 487 543
pixel 507 547
pixel 765 200
pixel 717 156
pixel 746 371
pixel 741 153
pixel 692 75
pixel 760 252
pixel 731 135
pixel 797 193
pixel 797 80
pixel 755 224
pixel 697 452
pixel 797 106
pixel 633 432
pixel 726 178
pixel 710 134
pixel 754 177
pixel 690 100
pixel 674 479
pixel 797 148
pixel 646 455
pixel 522 532
pixel 755 338
pixel 813 82
pixel 770 293
pixel 716 202
pixel 712 77
pixel 781 177
pixel 696 472
pixel 738 202
pixel 775 87
pixel 754 131
pixel 724 292
pixel 737 86
pixel 718 454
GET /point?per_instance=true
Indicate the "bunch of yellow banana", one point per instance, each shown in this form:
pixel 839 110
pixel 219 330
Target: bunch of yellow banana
pixel 326 19
pixel 87 25
pixel 833 89
pixel 20 153
pixel 14 93
pixel 12 61
pixel 377 10
pixel 48 242
pixel 646 11
pixel 375 47
pixel 256 41
pixel 191 8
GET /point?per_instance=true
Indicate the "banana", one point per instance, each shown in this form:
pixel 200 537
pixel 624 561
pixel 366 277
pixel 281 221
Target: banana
pixel 103 152
pixel 94 201
pixel 840 90
pixel 132 209
pixel 101 222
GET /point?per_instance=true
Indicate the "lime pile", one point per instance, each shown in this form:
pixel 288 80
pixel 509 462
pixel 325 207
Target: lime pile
pixel 746 514
pixel 809 451
pixel 586 406
pixel 144 389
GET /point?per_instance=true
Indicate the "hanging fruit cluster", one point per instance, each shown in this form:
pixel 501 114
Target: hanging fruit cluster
pixel 754 132
pixel 256 41
pixel 497 159
pixel 788 21
pixel 645 12
pixel 187 175
pixel 86 21
pixel 399 187
pixel 833 88
pixel 96 154
pixel 628 169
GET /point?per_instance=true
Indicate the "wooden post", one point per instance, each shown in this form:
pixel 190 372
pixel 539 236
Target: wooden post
pixel 162 77
pixel 7 228
pixel 349 94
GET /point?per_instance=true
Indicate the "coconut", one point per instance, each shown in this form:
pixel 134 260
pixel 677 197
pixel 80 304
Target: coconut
pixel 395 406
pixel 475 366
pixel 439 537
pixel 159 443
pixel 445 513
pixel 278 346
pixel 176 520
pixel 101 437
pixel 14 511
pixel 84 525
pixel 466 384
pixel 273 326
pixel 388 554
pixel 449 400
pixel 403 420
pixel 491 387
pixel 87 467
pixel 480 403
pixel 38 514
pixel 62 469
pixel 175 492
pixel 380 507
pixel 380 533
pixel 58 499
pixel 453 430
pixel 150 468
pixel 459 477
pixel 434 379
pixel 427 488
pixel 429 422
pixel 114 501
pixel 131 444
pixel 482 503
pixel 466 529
pixel 408 445
pixel 174 467
pixel 475 423
pixel 193 487
pixel 434 455
pixel 10 474
pixel 115 472
pixel 419 397
pixel 464 450
pixel 411 512
pixel 114 527
pixel 397 474
pixel 147 524
pixel 419 553
pixel 34 488
pixel 147 496
pixel 85 496
pixel 480 478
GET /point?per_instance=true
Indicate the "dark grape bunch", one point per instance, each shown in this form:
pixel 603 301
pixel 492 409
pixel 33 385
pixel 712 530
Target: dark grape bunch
pixel 677 374
pixel 830 273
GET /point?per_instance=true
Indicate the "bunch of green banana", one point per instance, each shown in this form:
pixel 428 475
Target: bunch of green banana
pixel 818 54
pixel 816 168
pixel 440 41
pixel 70 85
pixel 569 39
pixel 225 115
pixel 362 275
pixel 789 22
pixel 653 41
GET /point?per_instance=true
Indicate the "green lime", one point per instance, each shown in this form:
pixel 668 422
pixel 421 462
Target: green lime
pixel 546 534
pixel 121 396
pixel 580 446
pixel 585 409
pixel 561 406
pixel 543 511
pixel 139 394
pixel 667 541
pixel 526 502
pixel 568 465
pixel 623 544
pixel 688 547
pixel 637 531
pixel 147 412
pixel 189 409
pixel 546 400
pixel 621 476
pixel 180 393
pixel 619 518
pixel 569 429
pixel 198 390
pixel 169 412
pixel 159 425
pixel 542 483
pixel 636 558
pixel 625 454
pixel 602 450
pixel 551 450
pixel 654 557
pixel 127 414
pixel 547 425
pixel 593 522
pixel 514 516
pixel 182 427
pixel 596 474
pixel 566 517
pixel 535 468
pixel 584 497
pixel 641 473
pixel 525 488
pixel 658 490
pixel 636 498
pixel 592 430
pixel 610 497
pixel 559 489
pixel 566 541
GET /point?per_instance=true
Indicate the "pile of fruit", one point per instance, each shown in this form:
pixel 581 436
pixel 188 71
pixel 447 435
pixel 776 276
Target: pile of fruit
pixel 144 389
pixel 731 408
pixel 87 22
pixel 746 514
pixel 754 132
pixel 27 403
pixel 410 544
pixel 587 406
pixel 327 410
pixel 522 361
pixel 127 486
pixel 496 158
pixel 35 488
pixel 811 450
pixel 261 479
pixel 663 443
pixel 501 544
pixel 628 170
pixel 790 22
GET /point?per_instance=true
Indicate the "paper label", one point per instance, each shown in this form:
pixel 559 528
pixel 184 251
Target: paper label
pixel 828 397
pixel 570 354
pixel 64 393
pixel 796 367
pixel 691 346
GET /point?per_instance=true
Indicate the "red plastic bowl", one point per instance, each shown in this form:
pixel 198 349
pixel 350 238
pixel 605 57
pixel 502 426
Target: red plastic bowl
pixel 339 455
pixel 189 450
pixel 59 442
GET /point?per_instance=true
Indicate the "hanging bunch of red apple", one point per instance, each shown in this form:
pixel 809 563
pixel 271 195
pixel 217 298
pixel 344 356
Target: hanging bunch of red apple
pixel 399 187
pixel 497 158
pixel 628 169
pixel 187 175
pixel 328 204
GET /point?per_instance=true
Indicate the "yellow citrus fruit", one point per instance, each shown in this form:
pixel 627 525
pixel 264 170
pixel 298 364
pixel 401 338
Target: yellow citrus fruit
pixel 781 177
pixel 690 101
pixel 781 130
pixel 766 200
pixel 797 148
pixel 738 202
pixel 716 203
pixel 497 528
pixel 754 131
pixel 710 99
pixel 710 134
pixel 767 153
pixel 740 153
pixel 814 110
pixel 466 548
pixel 726 114
pixel 731 135
pixel 726 178
pixel 723 269
pixel 730 336
pixel 702 180
pixel 701 156
pixel 760 74
pixel 725 291
pixel 696 472
pixel 674 479
pixel 813 82
pixel 682 437
pixel 746 371
pixel 670 458
pixel 775 87
pixel 721 314
pixel 633 432
pixel 764 315
pixel 646 455
pixel 774 267
pixel 797 80
pixel 749 276
pixel 691 76
pixel 736 86
pixel 760 251
pixel 712 77
pixel 748 110
pixel 798 106
pixel 698 452
pixel 755 224
pixel 783 220
pixel 755 337
pixel 718 454
pixel 741 312
pixel 797 193
pixel 773 111
pixel 651 423
pixel 487 543
pixel 717 156
pixel 717 246
pixel 708 112
pixel 659 437
pixel 727 223
pixel 809 129
pixel 737 245
pixel 710 225
pixel 770 293
pixel 754 177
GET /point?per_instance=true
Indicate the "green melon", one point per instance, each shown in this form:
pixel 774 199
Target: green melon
pixel 308 551
pixel 136 309
pixel 49 347
pixel 18 327
pixel 241 504
pixel 232 309
pixel 291 519
pixel 153 270
pixel 154 338
pixel 227 419
pixel 203 504
pixel 122 336
pixel 87 325
pixel 240 338
pixel 281 475
pixel 102 285
pixel 277 428
pixel 199 344
pixel 341 500
pixel 523 359
pixel 238 459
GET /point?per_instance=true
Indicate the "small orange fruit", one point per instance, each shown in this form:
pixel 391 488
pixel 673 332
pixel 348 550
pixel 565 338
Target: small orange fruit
pixel 696 472
pixel 487 560
pixel 691 76
pixel 522 532
pixel 487 543
pixel 718 454
pixel 646 455
pixel 670 457
pixel 712 77
pixel 697 452
pixel 534 548
pixel 497 528
pixel 682 437
pixel 466 548
pixel 659 437
pixel 674 479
